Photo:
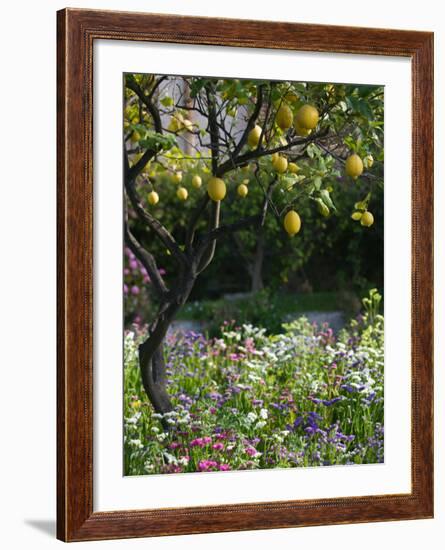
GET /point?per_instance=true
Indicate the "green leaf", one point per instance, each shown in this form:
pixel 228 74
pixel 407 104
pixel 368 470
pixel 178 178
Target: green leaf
pixel 325 195
pixel 167 101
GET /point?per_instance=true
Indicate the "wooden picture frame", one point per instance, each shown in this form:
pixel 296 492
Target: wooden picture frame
pixel 77 31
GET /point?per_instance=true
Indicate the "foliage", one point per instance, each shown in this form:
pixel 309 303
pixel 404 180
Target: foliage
pixel 248 400
pixel 351 120
pixel 264 309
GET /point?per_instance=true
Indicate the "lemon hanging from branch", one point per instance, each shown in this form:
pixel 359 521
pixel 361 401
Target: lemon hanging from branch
pixel 196 181
pixel 307 117
pixel 280 164
pixel 153 198
pixel 284 117
pixel 292 223
pixel 367 219
pixel 182 193
pixel 216 188
pixel 354 166
pixel 242 190
pixel 254 136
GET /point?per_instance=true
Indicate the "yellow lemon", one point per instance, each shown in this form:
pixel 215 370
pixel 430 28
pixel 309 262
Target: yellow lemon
pixel 291 97
pixel 242 190
pixel 196 182
pixel 246 181
pixel 254 136
pixel 177 177
pixel 216 188
pixel 302 132
pixel 135 136
pixel 354 166
pixel 280 164
pixel 293 167
pixel 182 193
pixel 153 198
pixel 292 223
pixel 284 117
pixel 356 216
pixel 307 117
pixel 367 219
pixel 274 157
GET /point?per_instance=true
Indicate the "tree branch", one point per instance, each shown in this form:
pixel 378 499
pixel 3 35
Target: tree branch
pixel 213 129
pixel 194 221
pixel 131 84
pixel 258 153
pixel 163 234
pixel 205 256
pixel 147 260
pixel 250 123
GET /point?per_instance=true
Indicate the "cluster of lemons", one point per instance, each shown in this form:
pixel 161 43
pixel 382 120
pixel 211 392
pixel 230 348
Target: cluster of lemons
pixel 304 121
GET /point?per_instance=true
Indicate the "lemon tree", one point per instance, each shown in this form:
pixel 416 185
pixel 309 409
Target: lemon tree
pixel 197 148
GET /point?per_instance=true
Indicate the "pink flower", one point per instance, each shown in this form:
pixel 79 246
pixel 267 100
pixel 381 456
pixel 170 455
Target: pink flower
pixel 206 465
pixel 198 442
pixel 135 290
pixel 251 451
pixel 133 264
pixel 212 410
pixel 125 289
pixel 224 467
pixel 206 440
pixel 218 446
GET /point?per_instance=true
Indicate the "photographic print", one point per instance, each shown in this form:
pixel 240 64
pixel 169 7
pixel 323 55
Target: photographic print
pixel 253 280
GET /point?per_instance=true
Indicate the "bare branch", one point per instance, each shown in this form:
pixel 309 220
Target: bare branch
pixel 147 260
pixel 206 253
pixel 131 84
pixel 162 233
pixel 250 123
pixel 194 221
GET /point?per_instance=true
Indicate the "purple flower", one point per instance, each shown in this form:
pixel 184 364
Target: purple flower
pixel 135 290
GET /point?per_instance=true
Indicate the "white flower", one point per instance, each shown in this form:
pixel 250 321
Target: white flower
pixel 133 419
pixel 184 460
pixel 171 459
pixel 251 417
pixel 136 443
pixel 260 424
pixel 264 414
pixel 161 436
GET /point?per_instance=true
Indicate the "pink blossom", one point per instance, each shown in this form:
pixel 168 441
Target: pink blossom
pixel 135 290
pixel 251 451
pixel 224 467
pixel 206 465
pixel 218 446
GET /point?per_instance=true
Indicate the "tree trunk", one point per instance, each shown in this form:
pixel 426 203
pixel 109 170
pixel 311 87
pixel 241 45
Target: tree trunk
pixel 151 351
pixel 154 379
pixel 256 270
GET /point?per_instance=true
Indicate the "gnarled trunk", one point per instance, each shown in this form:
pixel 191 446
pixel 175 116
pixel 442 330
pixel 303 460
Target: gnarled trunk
pixel 154 378
pixel 151 351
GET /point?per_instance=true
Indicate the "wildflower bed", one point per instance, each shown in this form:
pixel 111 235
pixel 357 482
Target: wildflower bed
pixel 250 400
